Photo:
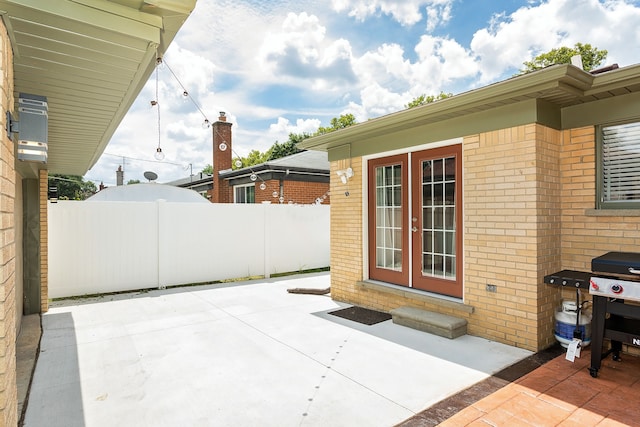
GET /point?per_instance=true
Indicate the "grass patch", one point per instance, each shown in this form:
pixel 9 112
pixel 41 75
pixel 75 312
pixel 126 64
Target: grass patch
pixel 185 285
pixel 293 273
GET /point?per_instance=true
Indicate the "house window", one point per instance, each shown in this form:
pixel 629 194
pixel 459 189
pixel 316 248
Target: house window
pixel 415 220
pixel 619 166
pixel 245 194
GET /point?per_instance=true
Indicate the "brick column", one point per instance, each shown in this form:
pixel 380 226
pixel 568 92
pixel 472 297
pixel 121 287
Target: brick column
pixel 8 390
pixel 221 159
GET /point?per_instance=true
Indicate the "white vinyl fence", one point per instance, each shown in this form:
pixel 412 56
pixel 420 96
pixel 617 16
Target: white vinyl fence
pixel 101 247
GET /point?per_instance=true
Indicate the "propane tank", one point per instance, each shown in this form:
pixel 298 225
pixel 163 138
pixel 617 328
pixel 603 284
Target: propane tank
pixel 565 325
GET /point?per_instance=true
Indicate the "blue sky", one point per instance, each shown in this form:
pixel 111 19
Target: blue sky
pixel 282 66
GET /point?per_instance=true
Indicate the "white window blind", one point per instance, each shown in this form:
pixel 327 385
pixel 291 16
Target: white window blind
pixel 621 163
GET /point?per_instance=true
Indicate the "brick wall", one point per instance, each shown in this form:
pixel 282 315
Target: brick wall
pixel 585 233
pixel 298 192
pixel 8 393
pixel 512 233
pixel 346 237
pixel 266 195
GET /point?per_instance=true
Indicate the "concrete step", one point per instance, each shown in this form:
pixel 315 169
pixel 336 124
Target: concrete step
pixel 429 321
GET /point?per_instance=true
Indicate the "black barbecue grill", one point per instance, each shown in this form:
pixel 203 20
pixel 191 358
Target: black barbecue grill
pixel 614 283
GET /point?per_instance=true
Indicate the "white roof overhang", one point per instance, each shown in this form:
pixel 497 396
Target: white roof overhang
pixel 90 59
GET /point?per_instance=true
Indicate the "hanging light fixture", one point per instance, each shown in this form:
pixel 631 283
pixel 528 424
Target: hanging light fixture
pixel 159 155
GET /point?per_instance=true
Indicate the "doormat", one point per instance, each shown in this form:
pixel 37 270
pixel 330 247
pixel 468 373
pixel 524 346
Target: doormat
pixel 361 315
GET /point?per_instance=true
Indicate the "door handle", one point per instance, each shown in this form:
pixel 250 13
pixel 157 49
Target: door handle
pixel 414 229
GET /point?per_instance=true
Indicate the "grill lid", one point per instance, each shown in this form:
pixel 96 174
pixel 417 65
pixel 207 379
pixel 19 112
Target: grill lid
pixel 616 263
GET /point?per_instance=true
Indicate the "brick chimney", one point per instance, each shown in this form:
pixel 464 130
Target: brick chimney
pixel 222 155
pixel 119 176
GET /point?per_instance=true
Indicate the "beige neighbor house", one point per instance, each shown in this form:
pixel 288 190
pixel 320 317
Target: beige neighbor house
pixel 462 206
pixel 69 71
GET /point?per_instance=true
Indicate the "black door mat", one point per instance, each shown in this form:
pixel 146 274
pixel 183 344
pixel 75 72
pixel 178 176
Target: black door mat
pixel 361 315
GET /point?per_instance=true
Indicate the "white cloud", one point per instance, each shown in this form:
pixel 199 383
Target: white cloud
pixel 250 51
pixel 299 54
pixel 390 80
pixel 280 130
pixel 407 12
pixel 511 40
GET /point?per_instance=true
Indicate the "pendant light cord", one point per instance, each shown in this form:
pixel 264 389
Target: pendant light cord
pixel 158 104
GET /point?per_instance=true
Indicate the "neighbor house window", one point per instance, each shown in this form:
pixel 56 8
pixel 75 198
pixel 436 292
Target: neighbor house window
pixel 619 166
pixel 245 194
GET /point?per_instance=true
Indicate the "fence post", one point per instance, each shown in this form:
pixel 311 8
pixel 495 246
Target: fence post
pixel 265 249
pixel 159 238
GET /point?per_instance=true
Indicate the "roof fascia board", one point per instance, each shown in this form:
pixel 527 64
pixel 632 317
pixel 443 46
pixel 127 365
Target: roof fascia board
pixel 609 110
pixel 565 77
pixel 182 7
pixel 615 79
pixel 522 113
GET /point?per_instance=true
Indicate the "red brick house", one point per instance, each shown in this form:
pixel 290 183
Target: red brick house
pixel 301 178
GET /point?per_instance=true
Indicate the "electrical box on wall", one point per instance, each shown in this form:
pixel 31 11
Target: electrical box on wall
pixel 33 128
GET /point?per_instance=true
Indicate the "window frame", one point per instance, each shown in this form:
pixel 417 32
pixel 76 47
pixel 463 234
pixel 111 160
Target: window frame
pixel 244 189
pixel 601 204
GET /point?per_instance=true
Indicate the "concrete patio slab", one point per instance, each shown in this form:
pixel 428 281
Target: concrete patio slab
pixel 243 354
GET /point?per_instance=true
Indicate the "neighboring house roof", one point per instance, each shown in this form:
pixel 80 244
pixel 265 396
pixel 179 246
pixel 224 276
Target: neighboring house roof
pixel 557 97
pixel 193 180
pixel 91 60
pixel 304 166
pixel 149 192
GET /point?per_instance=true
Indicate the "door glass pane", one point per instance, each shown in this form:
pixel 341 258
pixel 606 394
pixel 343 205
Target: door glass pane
pixel 389 217
pixel 438 217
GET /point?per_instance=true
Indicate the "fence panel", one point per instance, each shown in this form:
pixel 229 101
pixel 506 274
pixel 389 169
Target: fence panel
pixel 104 247
pixel 201 243
pixel 297 237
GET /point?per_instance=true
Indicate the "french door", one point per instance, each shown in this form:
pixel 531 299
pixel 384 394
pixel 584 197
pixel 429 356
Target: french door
pixel 415 220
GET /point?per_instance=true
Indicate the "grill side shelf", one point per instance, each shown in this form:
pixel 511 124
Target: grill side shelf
pixel 570 278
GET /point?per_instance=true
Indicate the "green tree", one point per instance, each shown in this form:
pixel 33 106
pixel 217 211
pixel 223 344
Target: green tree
pixel 208 169
pixel 287 148
pixel 133 181
pixel 424 99
pixel 592 57
pixel 72 187
pixel 345 120
pixel 255 157
pixel 290 146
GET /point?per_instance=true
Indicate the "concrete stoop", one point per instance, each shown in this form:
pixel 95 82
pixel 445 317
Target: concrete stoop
pixel 429 321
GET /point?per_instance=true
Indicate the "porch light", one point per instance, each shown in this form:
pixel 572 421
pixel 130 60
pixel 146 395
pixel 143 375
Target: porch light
pixel 345 174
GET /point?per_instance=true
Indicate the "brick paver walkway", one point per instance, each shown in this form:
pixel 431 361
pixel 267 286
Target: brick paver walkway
pixel 561 393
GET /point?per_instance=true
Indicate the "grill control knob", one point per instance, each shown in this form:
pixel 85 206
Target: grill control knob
pixel 616 288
